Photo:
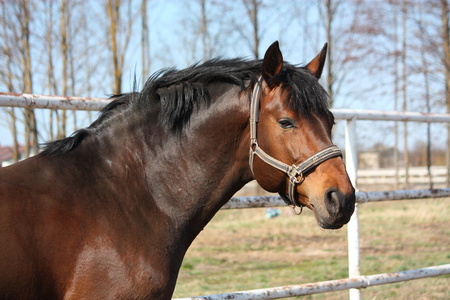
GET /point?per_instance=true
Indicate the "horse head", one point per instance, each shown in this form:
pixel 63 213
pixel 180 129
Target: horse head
pixel 291 151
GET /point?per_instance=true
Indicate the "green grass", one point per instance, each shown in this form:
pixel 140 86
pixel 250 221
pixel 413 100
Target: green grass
pixel 241 250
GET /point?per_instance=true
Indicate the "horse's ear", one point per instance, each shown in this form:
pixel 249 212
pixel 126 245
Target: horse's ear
pixel 315 66
pixel 272 63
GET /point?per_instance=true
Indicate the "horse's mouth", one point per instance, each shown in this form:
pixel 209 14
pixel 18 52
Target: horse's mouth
pixel 332 210
pixel 321 221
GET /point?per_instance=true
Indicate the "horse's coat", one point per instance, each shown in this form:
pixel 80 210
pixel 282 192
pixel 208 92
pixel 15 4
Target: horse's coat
pixel 109 212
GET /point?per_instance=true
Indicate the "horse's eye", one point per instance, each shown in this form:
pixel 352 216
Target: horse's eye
pixel 286 123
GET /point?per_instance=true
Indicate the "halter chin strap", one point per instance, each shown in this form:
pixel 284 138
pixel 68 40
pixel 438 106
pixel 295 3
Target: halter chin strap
pixel 296 173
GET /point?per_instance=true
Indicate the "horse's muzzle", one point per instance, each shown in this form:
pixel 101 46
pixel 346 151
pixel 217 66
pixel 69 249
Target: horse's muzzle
pixel 338 209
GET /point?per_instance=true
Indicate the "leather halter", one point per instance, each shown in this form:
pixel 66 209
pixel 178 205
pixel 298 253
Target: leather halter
pixel 296 173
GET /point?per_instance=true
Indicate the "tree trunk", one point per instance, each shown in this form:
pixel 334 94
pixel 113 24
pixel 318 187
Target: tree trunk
pixel 9 82
pixel 63 25
pixel 396 92
pixel 113 13
pixel 145 47
pixel 51 83
pixel 252 8
pixel 405 98
pixel 328 28
pixel 446 63
pixel 118 54
pixel 426 79
pixel 31 140
pixel 204 30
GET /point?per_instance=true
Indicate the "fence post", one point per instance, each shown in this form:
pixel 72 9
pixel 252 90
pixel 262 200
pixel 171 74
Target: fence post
pixel 351 162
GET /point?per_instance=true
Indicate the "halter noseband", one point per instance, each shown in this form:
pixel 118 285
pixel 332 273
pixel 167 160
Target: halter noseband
pixel 295 173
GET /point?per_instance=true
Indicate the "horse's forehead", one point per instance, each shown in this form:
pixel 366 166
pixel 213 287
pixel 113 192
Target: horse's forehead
pixel 283 97
pixel 280 93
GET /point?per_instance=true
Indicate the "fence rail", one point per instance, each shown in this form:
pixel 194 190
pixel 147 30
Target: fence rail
pixel 377 115
pixel 416 175
pixel 328 286
pixel 86 103
pixel 51 102
pixel 361 197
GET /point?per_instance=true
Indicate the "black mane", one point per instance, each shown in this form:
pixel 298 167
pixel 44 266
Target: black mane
pixel 179 92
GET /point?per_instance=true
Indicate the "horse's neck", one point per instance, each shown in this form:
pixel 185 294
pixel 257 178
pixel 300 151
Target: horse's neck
pixel 192 176
pixel 188 177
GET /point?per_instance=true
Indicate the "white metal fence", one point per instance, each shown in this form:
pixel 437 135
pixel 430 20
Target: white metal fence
pixel 356 281
pixel 416 176
pixel 329 286
pixel 51 102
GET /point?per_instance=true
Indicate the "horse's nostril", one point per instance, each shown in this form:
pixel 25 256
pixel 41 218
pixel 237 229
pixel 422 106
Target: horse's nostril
pixel 332 202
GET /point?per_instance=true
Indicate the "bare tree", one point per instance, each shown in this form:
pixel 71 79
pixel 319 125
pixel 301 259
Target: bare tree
pixel 404 91
pixel 204 31
pixel 330 12
pixel 424 68
pixel 396 93
pixel 64 16
pixel 426 78
pixel 245 23
pixel 118 51
pixel 145 44
pixel 446 62
pixel 86 58
pixel 347 45
pixel 252 8
pixel 31 132
pixel 51 81
pixel 203 27
pixel 8 80
pixel 70 54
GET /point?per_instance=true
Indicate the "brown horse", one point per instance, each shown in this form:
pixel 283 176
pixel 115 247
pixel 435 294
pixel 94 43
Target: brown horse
pixel 109 212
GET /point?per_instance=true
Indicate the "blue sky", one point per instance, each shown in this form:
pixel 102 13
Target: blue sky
pixel 172 38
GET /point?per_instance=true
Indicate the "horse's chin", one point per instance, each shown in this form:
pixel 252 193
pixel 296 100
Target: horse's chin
pixel 326 225
pixel 326 221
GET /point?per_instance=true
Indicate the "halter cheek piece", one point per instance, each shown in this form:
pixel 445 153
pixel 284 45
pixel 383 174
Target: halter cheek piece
pixel 296 173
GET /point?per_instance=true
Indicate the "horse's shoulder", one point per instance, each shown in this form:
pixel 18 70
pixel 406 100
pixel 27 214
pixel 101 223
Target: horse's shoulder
pixel 128 275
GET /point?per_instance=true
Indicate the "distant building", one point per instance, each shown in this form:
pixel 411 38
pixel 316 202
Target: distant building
pixel 369 160
pixel 380 157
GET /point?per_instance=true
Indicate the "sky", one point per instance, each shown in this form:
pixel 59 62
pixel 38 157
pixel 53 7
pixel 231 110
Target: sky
pixel 168 47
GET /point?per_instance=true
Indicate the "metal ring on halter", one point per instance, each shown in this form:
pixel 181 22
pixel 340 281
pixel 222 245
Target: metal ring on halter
pixel 293 206
pixel 299 181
